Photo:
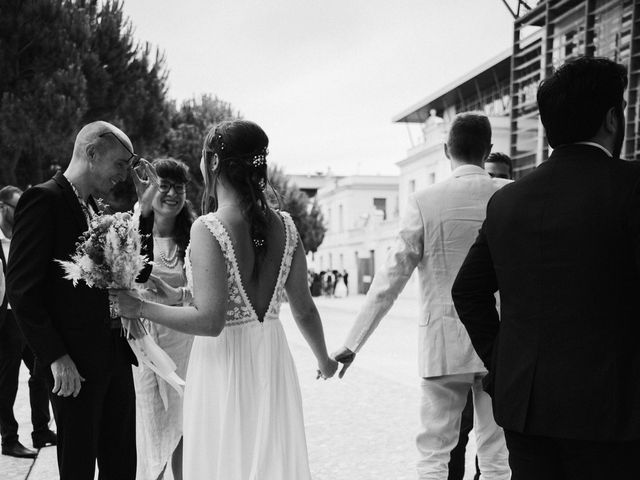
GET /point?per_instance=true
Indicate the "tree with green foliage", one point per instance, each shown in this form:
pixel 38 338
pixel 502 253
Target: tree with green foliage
pixel 66 63
pixel 189 125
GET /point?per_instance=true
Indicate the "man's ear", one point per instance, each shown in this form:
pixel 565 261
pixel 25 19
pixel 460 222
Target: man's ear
pixel 215 162
pixel 90 151
pixel 610 123
pixel 487 153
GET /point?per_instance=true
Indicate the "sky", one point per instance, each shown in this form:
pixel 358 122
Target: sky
pixel 323 78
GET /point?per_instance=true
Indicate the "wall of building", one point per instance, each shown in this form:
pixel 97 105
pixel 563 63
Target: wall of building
pixel 355 228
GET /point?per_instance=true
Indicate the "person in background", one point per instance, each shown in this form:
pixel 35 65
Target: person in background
pixel 158 406
pixel 13 351
pixel 345 278
pixel 499 165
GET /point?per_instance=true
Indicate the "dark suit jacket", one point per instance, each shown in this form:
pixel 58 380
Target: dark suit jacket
pixel 56 317
pixel 562 245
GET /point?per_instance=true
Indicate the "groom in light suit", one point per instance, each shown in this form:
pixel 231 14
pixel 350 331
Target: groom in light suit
pixel 436 232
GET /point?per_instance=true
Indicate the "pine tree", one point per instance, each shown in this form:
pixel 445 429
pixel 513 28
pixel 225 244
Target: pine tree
pixel 65 63
pixel 189 125
pixel 306 214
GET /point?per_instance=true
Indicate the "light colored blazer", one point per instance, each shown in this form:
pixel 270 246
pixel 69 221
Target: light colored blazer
pixel 436 232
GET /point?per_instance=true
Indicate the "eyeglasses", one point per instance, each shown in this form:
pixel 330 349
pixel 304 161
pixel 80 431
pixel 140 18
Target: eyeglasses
pixel 134 159
pixel 164 186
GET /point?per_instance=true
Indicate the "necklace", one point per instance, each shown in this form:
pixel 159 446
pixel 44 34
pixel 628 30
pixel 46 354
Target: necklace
pixel 229 205
pixel 170 260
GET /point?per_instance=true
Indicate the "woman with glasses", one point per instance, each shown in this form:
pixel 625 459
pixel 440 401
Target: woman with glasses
pixel 158 406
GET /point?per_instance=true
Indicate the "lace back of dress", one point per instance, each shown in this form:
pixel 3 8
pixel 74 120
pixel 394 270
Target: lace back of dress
pixel 238 308
pixel 287 257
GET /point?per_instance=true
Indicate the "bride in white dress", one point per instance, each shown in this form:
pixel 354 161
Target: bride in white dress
pixel 242 409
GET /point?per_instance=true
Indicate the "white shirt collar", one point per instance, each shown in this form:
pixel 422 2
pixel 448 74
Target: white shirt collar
pixel 594 144
pixel 3 237
pixel 469 169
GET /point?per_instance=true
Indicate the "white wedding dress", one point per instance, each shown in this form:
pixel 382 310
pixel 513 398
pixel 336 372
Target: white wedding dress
pixel 242 407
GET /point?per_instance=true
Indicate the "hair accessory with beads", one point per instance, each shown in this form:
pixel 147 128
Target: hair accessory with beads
pixel 220 142
pixel 258 242
pixel 262 184
pixel 259 160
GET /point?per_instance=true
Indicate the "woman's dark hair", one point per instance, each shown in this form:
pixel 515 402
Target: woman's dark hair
pixel 177 171
pixel 574 100
pixel 241 147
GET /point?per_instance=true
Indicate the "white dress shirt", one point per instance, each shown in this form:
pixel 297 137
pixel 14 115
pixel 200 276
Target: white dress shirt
pixel 436 232
pixel 6 243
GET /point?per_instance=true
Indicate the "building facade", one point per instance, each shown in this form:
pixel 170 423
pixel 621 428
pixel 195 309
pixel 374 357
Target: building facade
pixel 484 89
pixel 361 214
pixel 362 229
pixel 552 32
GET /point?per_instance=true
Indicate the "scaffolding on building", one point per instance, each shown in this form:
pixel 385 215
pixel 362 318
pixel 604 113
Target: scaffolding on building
pixel 553 32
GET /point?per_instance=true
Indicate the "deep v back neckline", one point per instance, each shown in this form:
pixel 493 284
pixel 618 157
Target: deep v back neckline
pixel 238 276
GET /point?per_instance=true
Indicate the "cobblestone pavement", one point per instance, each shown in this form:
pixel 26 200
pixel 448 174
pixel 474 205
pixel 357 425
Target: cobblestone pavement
pixel 362 427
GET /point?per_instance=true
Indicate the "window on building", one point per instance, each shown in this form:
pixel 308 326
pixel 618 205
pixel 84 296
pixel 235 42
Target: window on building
pixel 340 219
pixel 341 262
pixel 328 219
pixel 412 186
pixel 330 261
pixel 381 204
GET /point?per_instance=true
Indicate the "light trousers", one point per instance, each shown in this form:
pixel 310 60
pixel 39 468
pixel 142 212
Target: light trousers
pixel 442 402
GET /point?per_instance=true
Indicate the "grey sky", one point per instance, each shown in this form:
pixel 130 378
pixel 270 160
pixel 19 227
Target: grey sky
pixel 322 77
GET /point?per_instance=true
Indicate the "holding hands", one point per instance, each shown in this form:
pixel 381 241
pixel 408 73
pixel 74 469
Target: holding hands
pixel 327 369
pixel 331 365
pixel 345 357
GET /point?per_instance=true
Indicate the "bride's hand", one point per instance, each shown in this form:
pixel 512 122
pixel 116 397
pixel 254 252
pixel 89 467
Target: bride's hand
pixel 327 369
pixel 128 302
pixel 169 294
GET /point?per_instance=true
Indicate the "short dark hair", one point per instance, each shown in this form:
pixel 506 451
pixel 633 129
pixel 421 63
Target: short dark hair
pixel 499 157
pixel 8 192
pixel 574 100
pixel 469 136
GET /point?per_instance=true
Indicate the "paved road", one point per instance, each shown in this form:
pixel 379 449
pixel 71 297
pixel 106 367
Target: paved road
pixel 359 428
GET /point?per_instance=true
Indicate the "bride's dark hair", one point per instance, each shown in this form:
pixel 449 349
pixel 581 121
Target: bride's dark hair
pixel 241 147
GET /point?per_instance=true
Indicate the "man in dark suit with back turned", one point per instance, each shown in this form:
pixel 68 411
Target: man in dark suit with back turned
pixel 76 343
pixel 562 246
